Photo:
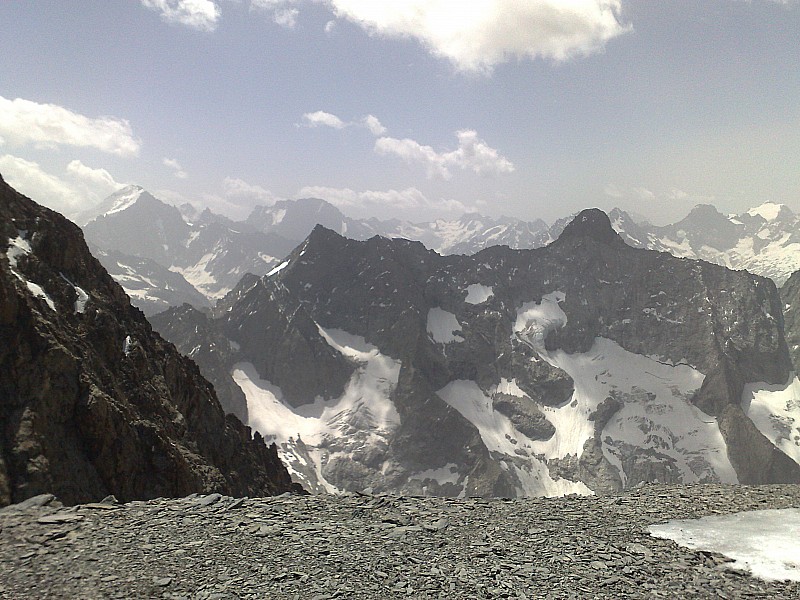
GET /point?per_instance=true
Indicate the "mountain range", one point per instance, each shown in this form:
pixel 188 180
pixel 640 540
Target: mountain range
pixel 586 365
pixel 164 256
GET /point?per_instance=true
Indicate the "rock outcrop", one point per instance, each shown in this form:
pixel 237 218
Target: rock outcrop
pixel 790 294
pixel 92 401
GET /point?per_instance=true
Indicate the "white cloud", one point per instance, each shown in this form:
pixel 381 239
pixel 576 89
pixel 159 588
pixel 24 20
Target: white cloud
pixel 472 154
pixel 395 200
pixel 286 17
pixel 26 122
pixel 240 192
pixel 480 34
pixel 202 15
pixel 321 117
pixel 176 167
pixel 29 178
pixel 83 186
pixel 372 123
pixel 96 183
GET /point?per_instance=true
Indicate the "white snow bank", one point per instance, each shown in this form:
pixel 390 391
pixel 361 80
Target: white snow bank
pixel 478 293
pixel 442 326
pixel 764 542
pixel 768 211
pixel 17 247
pixel 775 411
pixel 277 269
pixel 362 417
pixel 656 413
pixel 501 438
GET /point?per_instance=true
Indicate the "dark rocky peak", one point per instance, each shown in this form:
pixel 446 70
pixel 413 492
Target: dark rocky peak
pixel 704 225
pixel 93 401
pixel 591 223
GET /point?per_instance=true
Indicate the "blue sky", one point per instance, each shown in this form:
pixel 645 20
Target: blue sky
pixel 405 108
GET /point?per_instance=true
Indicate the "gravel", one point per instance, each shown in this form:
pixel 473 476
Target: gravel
pixel 363 546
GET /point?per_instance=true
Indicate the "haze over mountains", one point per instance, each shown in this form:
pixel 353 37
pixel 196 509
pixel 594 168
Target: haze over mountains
pixel 164 257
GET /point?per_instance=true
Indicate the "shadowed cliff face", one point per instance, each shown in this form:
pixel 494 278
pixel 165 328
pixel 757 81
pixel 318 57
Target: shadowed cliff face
pixel 587 364
pixel 92 401
pixel 790 295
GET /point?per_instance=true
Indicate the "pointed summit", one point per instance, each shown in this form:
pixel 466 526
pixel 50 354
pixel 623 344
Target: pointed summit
pixel 592 223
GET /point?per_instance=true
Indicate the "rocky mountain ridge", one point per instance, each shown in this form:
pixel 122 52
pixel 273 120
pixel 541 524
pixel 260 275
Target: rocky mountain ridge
pixel 162 259
pixel 586 365
pixel 92 401
pixel 184 256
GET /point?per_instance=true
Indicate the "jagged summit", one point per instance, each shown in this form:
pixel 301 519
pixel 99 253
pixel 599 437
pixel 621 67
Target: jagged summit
pixel 592 223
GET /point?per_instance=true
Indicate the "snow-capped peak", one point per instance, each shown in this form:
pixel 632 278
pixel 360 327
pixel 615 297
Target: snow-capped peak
pixel 768 211
pixel 123 199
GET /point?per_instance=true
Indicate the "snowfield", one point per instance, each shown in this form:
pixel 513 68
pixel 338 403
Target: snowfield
pixel 764 542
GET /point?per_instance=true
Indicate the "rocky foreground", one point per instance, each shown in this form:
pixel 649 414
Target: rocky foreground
pixel 317 547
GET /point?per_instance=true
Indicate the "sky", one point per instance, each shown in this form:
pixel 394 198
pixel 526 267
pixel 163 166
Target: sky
pixel 415 109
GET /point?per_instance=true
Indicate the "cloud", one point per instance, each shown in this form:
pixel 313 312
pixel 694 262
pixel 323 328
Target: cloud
pixel 240 192
pixel 321 117
pixel 97 183
pixel 374 125
pixel 394 200
pixel 176 167
pixel 29 178
pixel 281 13
pixel 481 34
pixel 472 154
pixel 26 122
pixel 83 187
pixel 286 17
pixel 202 15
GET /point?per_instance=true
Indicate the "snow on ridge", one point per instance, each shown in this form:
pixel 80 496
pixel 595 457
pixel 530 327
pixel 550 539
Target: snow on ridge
pixel 763 542
pixel 19 246
pixel 124 200
pixel 775 411
pixel 768 211
pixel 478 293
pixel 277 269
pixel 442 326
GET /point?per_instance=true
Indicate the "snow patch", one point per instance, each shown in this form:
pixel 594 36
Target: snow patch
pixel 17 247
pixel 501 438
pixel 763 542
pixel 125 199
pixel 442 475
pixel 478 293
pixel 82 296
pixel 442 326
pixel 326 430
pixel 655 411
pixel 277 269
pixel 768 211
pixel 775 411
